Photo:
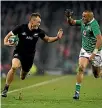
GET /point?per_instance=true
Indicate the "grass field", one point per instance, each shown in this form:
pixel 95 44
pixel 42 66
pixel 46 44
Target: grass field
pixel 49 92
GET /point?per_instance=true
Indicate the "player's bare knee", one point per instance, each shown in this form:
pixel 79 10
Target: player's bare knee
pixel 16 64
pixel 15 67
pixel 81 69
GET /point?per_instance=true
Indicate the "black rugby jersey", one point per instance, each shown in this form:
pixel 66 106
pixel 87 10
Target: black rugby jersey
pixel 27 39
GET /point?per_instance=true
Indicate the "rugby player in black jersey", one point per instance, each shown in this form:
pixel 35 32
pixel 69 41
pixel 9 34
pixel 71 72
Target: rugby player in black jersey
pixel 24 51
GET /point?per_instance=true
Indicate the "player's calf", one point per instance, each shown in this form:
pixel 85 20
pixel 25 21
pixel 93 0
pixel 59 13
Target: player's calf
pixel 10 76
pixel 96 71
pixel 79 80
pixel 23 75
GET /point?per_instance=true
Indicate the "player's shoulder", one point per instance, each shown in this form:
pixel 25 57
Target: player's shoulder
pixel 40 30
pixel 23 25
pixel 94 22
pixel 18 26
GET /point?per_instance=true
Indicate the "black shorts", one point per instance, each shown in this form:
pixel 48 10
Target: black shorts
pixel 26 61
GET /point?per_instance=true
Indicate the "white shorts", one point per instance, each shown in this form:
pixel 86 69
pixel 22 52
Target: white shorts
pixel 97 61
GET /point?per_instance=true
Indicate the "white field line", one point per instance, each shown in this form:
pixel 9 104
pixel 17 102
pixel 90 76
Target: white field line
pixel 38 84
pixel 16 104
pixel 8 104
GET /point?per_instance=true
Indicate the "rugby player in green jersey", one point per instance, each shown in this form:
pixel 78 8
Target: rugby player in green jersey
pixel 91 50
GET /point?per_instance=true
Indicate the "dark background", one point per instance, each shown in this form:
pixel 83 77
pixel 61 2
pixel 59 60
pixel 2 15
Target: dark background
pixel 62 54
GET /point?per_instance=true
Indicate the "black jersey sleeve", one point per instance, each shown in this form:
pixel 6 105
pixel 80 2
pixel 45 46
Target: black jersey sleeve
pixel 16 30
pixel 42 34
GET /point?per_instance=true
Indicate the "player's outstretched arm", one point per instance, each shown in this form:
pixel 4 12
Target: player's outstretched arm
pixel 6 42
pixel 53 39
pixel 68 14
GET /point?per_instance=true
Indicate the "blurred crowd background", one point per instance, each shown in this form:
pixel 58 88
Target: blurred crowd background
pixel 60 57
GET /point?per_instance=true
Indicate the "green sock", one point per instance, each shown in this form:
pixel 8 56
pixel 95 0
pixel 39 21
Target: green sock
pixel 78 87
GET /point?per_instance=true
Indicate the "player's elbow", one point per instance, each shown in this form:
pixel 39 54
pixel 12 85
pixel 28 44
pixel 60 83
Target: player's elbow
pixel 47 40
pixel 5 41
pixel 99 39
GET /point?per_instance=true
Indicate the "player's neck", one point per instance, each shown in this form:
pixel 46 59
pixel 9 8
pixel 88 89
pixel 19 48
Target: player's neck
pixel 29 26
pixel 91 21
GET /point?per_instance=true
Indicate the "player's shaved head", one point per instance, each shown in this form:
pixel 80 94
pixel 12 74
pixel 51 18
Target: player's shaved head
pixel 89 13
pixel 87 16
pixel 35 15
pixel 34 21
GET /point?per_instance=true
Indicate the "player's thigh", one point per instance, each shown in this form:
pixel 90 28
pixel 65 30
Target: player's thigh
pixel 83 62
pixel 27 63
pixel 16 63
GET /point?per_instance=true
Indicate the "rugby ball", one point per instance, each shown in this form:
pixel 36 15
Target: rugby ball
pixel 14 39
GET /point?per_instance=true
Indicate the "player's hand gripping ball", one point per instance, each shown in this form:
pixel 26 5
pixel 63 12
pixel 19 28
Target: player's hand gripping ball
pixel 14 39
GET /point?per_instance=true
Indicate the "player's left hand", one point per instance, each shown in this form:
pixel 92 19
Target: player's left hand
pixel 92 56
pixel 60 33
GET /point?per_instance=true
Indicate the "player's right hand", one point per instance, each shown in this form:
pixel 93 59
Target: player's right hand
pixel 60 33
pixel 9 43
pixel 68 12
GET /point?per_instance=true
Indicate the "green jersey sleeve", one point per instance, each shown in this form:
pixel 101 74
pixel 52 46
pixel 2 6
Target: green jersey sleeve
pixel 78 22
pixel 96 28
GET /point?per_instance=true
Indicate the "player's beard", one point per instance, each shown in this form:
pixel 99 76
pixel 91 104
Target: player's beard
pixel 86 21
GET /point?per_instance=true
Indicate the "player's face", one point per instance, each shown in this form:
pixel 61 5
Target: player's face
pixel 85 17
pixel 35 23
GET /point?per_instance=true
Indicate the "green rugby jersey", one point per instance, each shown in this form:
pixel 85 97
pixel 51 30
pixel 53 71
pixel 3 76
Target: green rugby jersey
pixel 89 32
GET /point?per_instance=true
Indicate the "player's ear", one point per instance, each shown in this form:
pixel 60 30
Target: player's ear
pixel 31 21
pixel 29 17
